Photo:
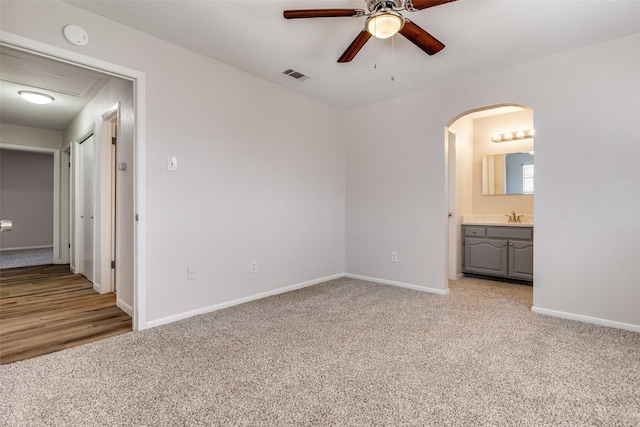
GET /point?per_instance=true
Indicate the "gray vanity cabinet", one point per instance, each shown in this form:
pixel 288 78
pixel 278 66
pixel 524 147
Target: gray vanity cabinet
pixel 498 251
pixel 521 260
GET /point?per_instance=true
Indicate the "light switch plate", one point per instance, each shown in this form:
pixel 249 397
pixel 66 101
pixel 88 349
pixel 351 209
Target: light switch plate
pixel 173 164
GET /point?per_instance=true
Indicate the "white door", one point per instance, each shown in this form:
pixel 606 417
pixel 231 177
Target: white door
pixel 86 204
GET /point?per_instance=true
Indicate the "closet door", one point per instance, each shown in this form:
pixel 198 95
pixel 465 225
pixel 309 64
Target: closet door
pixel 86 204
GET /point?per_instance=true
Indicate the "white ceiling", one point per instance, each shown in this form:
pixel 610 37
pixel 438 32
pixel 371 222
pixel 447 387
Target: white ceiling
pixel 480 36
pixel 71 87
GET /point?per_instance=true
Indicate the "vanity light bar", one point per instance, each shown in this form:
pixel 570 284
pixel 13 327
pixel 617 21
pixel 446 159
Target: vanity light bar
pixel 513 136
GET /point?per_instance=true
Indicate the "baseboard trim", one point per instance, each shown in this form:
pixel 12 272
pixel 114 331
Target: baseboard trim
pixel 216 307
pixel 27 247
pixel 586 319
pixel 124 307
pixel 400 284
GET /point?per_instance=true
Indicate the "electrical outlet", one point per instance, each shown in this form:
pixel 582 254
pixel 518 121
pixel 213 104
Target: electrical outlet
pixel 191 273
pixel 254 266
pixel 394 256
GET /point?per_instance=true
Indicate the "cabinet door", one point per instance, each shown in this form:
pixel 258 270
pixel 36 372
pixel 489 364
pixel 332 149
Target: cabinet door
pixel 485 256
pixel 521 260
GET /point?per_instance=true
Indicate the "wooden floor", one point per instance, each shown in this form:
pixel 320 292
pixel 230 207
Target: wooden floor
pixel 47 308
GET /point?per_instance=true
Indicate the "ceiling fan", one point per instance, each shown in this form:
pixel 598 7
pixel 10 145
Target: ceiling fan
pixel 383 20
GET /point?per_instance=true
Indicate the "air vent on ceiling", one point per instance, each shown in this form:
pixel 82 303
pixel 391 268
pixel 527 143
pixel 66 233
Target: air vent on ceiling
pixel 297 75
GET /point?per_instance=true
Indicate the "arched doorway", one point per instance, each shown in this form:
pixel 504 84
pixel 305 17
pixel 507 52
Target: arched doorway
pixel 468 141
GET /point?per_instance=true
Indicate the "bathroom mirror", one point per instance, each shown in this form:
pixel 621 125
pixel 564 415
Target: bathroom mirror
pixel 509 173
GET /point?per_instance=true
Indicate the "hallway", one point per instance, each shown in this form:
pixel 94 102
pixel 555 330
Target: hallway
pixel 47 308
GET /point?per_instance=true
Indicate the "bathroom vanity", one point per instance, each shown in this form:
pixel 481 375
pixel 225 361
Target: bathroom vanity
pixel 498 250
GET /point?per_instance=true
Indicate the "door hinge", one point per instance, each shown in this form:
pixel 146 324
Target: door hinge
pixel 114 141
pixel 113 264
pixel 69 245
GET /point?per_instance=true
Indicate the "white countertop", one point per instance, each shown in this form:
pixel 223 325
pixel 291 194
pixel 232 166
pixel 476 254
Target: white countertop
pixel 497 220
pixel 498 224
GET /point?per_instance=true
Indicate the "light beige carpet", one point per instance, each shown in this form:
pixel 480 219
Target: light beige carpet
pixel 343 353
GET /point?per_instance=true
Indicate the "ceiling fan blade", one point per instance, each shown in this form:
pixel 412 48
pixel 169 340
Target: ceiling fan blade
pixel 421 38
pixel 355 46
pixel 321 13
pixel 423 4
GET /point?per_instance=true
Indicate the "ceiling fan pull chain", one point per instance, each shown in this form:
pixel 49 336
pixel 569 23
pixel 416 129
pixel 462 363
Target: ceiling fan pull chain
pixel 393 58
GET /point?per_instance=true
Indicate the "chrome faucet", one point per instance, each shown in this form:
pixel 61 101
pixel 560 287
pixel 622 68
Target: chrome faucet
pixel 513 217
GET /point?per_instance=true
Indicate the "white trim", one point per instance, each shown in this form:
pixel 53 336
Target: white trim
pixel 26 247
pixel 216 307
pixel 586 319
pixel 106 180
pixel 140 203
pixel 140 196
pixel 56 189
pixel 400 284
pixel 124 307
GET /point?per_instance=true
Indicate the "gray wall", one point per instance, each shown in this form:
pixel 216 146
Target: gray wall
pixel 26 197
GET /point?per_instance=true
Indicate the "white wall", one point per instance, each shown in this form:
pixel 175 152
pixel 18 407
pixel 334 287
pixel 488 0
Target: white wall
pixel 585 104
pixel 116 91
pixel 30 137
pixel 261 168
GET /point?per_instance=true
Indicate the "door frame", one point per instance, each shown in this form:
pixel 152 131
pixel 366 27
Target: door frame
pixel 452 235
pixel 57 191
pixel 108 230
pixel 139 150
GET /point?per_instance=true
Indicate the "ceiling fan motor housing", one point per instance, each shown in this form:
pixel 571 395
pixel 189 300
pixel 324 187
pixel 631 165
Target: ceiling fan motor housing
pixel 376 5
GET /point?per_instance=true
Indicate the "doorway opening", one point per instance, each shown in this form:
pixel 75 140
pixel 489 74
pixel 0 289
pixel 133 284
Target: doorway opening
pixel 29 191
pixel 471 143
pixel 134 291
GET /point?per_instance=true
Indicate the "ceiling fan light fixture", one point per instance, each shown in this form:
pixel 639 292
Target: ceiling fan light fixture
pixel 384 24
pixel 36 97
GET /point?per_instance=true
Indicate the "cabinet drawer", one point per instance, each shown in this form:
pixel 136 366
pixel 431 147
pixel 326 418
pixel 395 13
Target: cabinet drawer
pixel 510 233
pixel 475 231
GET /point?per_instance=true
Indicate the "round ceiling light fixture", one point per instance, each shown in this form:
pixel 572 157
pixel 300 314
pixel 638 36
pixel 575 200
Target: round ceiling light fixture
pixel 384 24
pixel 36 97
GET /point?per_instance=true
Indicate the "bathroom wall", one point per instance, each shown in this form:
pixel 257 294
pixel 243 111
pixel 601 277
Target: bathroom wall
pixel 483 130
